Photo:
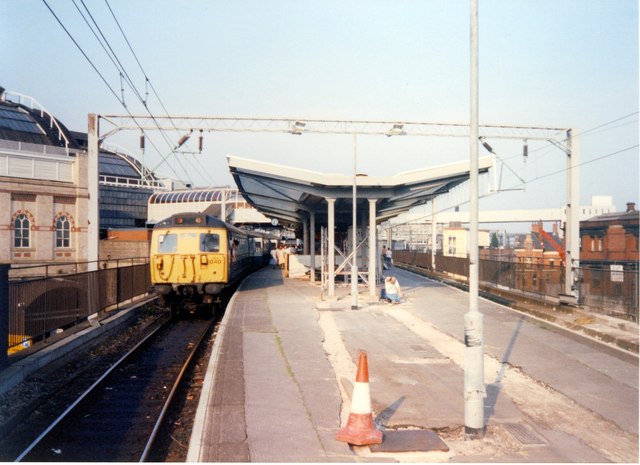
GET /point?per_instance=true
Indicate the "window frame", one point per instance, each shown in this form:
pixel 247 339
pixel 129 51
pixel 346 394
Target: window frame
pixel 22 232
pixel 63 232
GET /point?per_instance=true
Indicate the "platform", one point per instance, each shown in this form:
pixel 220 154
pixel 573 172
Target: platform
pixel 280 378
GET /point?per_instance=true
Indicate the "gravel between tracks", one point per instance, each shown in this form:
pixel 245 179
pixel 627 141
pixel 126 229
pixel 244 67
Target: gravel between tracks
pixel 28 407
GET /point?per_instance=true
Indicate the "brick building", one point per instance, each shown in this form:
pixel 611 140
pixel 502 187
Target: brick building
pixel 611 238
pixel 609 262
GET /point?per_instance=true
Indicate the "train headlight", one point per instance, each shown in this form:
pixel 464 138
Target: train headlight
pixel 213 288
pixel 163 289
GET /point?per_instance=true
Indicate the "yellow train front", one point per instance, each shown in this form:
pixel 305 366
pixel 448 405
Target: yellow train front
pixel 196 258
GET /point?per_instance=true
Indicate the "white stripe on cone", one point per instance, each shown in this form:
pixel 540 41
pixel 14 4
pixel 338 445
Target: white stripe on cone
pixel 361 402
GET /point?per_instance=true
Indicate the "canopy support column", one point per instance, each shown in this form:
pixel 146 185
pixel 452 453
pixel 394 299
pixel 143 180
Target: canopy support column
pixel 434 234
pixel 305 236
pixel 312 248
pixel 373 249
pixel 331 259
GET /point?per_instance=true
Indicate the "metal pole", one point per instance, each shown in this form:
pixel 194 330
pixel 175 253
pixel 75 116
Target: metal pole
pixel 473 321
pixel 354 236
pixel 92 183
pixel 572 231
pixel 223 204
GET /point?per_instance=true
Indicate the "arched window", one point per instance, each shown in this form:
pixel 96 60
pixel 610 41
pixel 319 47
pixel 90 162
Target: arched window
pixel 21 229
pixel 63 232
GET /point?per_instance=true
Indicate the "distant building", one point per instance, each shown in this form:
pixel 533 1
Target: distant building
pixel 611 238
pixel 609 262
pixel 455 240
pixel 539 246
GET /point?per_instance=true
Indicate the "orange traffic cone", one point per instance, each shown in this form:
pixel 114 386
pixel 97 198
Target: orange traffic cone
pixel 360 429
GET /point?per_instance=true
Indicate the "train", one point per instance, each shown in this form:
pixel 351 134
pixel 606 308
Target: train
pixel 196 259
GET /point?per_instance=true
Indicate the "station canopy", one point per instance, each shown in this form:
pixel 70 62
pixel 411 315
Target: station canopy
pixel 288 194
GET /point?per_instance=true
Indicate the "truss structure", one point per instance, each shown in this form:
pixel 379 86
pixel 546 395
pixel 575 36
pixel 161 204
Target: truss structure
pixel 298 126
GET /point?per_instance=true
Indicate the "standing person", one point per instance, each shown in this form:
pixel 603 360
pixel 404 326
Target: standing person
pixel 384 257
pixel 274 258
pixel 391 290
pixel 282 256
pixel 388 258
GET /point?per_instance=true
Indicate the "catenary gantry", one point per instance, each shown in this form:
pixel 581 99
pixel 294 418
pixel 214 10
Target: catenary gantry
pixel 563 138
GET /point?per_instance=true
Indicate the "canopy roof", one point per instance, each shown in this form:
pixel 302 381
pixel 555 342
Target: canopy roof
pixel 288 194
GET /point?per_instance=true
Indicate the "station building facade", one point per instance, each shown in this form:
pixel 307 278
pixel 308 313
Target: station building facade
pixel 44 197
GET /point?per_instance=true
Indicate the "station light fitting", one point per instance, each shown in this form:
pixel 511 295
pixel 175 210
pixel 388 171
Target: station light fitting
pixel 200 142
pixel 525 150
pixel 396 130
pixel 298 128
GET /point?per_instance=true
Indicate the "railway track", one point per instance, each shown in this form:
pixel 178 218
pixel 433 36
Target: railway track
pixel 118 417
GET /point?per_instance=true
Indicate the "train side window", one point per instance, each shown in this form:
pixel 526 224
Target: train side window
pixel 167 243
pixel 209 243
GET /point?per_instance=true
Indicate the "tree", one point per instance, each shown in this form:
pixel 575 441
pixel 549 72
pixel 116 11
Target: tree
pixel 495 243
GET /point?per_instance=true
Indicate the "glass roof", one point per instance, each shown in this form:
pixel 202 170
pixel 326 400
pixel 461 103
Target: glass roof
pixel 114 165
pixel 11 118
pixel 213 195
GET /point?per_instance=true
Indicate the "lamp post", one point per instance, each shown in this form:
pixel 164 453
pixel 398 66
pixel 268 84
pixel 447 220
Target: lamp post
pixel 474 391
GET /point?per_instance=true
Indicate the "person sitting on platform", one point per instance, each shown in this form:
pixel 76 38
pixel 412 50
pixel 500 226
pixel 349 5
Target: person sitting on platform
pixel 391 290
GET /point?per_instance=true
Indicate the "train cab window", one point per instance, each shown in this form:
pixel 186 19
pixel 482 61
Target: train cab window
pixel 209 243
pixel 167 243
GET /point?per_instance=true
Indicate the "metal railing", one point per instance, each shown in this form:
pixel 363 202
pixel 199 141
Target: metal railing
pixel 47 299
pixel 599 290
pixel 35 105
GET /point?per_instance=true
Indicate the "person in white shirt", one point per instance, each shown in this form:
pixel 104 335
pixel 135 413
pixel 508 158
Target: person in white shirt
pixel 392 290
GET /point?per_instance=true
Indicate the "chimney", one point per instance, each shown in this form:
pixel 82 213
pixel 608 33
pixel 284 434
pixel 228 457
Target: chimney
pixel 631 206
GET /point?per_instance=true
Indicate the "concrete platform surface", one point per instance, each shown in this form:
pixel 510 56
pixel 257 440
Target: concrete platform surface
pixel 281 375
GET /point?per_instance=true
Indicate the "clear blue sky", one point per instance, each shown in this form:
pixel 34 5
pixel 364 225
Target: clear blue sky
pixel 554 63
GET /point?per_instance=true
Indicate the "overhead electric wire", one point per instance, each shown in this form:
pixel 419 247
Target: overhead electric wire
pixel 588 132
pixel 105 43
pixel 122 70
pixel 482 196
pixel 147 80
pixel 97 71
pixel 608 123
pixel 82 51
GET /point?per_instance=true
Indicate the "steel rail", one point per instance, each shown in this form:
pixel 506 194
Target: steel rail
pixel 88 391
pixel 176 384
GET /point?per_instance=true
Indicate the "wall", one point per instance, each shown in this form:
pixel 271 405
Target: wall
pixel 112 250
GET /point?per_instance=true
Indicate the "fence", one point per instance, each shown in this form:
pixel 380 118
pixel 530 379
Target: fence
pixel 46 299
pixel 599 290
